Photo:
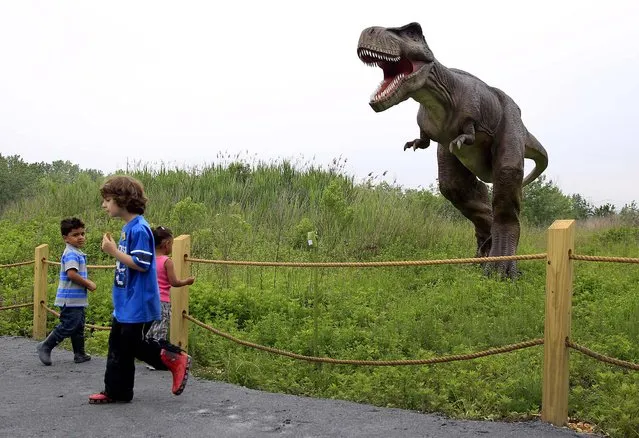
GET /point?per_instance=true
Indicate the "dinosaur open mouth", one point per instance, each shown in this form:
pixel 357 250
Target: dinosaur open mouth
pixel 396 69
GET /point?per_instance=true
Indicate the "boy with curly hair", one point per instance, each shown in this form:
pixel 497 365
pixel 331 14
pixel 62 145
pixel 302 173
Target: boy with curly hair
pixel 136 297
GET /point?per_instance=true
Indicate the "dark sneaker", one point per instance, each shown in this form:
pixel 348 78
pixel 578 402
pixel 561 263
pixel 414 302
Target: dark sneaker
pixel 44 353
pixel 178 364
pixel 100 398
pixel 79 358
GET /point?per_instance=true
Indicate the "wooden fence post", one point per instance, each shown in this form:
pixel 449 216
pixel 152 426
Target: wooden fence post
pixel 40 292
pixel 559 279
pixel 179 330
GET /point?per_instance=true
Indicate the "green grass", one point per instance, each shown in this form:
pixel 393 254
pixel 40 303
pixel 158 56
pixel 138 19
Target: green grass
pixel 260 211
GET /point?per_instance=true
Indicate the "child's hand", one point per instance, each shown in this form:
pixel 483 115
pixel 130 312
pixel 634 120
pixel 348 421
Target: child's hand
pixel 108 244
pixel 91 286
pixel 189 280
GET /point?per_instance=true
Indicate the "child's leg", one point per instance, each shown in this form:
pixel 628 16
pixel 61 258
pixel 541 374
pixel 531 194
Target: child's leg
pixel 168 319
pixel 77 339
pixel 120 369
pixel 157 331
pixel 153 332
pixel 163 355
pixel 66 328
pixel 163 326
pixel 160 328
pixel 149 348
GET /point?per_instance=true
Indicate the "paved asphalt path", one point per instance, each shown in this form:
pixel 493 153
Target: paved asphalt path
pixel 41 401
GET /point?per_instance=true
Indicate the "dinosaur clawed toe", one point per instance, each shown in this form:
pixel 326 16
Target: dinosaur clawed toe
pixel 459 141
pixel 418 143
pixel 502 270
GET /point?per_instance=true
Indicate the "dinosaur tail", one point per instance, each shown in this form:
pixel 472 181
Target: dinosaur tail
pixel 536 152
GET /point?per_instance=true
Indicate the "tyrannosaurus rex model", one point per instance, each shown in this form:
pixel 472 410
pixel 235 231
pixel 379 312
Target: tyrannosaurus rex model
pixel 478 128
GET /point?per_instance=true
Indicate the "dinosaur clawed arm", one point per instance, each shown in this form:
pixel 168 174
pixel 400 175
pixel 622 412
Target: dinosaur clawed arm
pixel 418 143
pixel 468 137
pixel 459 141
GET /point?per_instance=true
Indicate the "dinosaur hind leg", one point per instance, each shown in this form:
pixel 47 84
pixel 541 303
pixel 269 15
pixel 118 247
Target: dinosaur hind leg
pixel 508 172
pixel 468 195
pixel 506 228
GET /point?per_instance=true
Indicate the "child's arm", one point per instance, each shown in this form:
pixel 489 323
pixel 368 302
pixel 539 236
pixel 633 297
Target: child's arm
pixel 77 279
pixel 109 247
pixel 170 272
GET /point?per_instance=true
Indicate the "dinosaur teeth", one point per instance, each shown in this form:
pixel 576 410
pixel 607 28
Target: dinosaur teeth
pixel 374 55
pixel 383 91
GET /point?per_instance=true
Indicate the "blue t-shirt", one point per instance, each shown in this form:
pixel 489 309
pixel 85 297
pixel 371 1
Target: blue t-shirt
pixel 136 297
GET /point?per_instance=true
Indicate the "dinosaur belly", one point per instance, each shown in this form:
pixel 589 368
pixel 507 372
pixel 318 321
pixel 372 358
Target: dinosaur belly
pixel 477 158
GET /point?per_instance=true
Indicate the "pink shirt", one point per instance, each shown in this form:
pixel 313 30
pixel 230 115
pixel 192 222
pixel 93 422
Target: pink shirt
pixel 163 279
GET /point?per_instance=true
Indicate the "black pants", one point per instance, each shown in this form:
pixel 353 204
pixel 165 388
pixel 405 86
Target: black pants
pixel 71 324
pixel 128 342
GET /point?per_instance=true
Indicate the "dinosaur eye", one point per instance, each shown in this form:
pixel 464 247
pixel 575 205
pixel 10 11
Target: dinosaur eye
pixel 410 33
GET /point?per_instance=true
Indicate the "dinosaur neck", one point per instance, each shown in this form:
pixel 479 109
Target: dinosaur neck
pixel 442 83
pixel 436 95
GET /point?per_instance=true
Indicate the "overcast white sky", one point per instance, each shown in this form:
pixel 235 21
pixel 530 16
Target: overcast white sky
pixel 179 82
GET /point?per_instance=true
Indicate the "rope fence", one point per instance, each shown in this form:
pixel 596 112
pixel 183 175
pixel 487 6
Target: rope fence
pixel 371 264
pixel 13 265
pixel 441 359
pixel 16 306
pixel 604 259
pixel 522 257
pixel 91 326
pixel 601 357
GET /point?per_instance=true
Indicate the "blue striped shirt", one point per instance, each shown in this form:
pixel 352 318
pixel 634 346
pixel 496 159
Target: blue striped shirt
pixel 71 294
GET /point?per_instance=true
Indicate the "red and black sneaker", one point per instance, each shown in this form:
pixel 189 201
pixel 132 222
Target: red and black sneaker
pixel 100 398
pixel 178 364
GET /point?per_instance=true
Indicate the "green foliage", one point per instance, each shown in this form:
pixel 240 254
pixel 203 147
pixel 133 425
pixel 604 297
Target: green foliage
pixel 582 209
pixel 259 211
pixel 186 216
pixel 300 233
pixel 336 214
pixel 240 171
pixel 605 210
pixel 543 202
pixel 629 214
pixel 17 179
pixel 628 235
pixel 230 232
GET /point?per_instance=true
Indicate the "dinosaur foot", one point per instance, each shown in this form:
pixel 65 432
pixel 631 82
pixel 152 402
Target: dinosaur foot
pixel 504 270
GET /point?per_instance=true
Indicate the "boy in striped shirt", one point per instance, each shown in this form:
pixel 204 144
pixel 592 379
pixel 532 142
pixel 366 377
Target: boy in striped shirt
pixel 71 296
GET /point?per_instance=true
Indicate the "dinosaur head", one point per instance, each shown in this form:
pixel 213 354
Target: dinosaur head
pixel 403 55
